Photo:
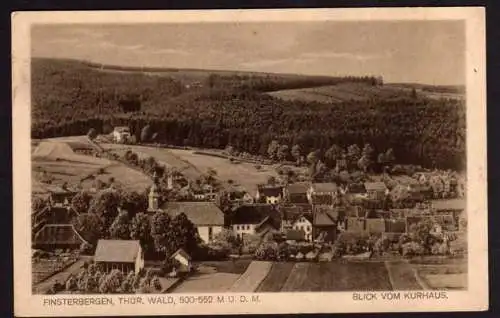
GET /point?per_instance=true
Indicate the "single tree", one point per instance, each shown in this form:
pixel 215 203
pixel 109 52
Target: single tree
pixel 140 229
pixel 120 228
pixel 283 152
pixel 92 134
pixel 296 153
pixel 353 155
pixel 146 133
pixel 90 226
pixel 332 154
pixel 272 149
pixel 81 201
pixel 105 204
pixel 160 231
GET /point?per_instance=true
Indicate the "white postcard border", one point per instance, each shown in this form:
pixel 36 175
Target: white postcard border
pixel 473 299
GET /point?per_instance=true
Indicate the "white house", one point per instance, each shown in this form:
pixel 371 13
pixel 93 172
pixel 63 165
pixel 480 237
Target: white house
pixel 121 134
pixel 322 193
pixel 124 255
pixel 269 194
pixel 304 223
pixel 206 216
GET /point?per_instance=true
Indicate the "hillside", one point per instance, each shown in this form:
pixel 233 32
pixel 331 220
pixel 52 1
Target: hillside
pixel 70 97
pixel 346 92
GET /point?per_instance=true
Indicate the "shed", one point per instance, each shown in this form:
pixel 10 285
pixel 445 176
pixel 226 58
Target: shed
pixel 125 255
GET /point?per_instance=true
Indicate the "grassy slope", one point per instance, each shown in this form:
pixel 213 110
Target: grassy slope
pixel 358 92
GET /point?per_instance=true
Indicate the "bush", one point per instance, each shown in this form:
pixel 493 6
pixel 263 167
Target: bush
pixel 86 249
pixel 412 249
pixel 267 251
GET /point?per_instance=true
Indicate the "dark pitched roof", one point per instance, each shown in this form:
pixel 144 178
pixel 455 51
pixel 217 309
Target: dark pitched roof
pixel 290 212
pixel 298 188
pixel 332 212
pixel 356 188
pixel 270 191
pixel 55 234
pixel 322 218
pixel 375 186
pixel 322 199
pixel 200 213
pixel 123 251
pixel 254 213
pixel 295 235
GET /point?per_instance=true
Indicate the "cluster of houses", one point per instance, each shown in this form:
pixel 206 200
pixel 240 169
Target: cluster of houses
pixel 298 212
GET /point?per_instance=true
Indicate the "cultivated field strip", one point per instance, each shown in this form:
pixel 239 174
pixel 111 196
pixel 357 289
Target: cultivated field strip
pixel 253 276
pixel 213 283
pixel 402 276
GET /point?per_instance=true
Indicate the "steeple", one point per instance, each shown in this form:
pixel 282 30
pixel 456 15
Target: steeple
pixel 154 195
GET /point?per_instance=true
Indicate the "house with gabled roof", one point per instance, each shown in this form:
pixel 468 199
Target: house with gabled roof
pixel 207 217
pixel 325 223
pixel 323 193
pixel 376 190
pixel 184 259
pixel 270 194
pixel 304 223
pixel 124 255
pixel 251 219
pixel 297 192
pixel 57 236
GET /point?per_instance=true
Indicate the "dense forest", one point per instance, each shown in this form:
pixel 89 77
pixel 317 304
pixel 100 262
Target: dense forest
pixel 69 98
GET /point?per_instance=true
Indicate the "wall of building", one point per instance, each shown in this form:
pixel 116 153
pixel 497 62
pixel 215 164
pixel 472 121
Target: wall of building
pixel 241 229
pixel 304 225
pixel 204 231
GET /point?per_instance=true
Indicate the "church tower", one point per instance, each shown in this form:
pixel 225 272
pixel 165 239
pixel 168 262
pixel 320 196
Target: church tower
pixel 154 195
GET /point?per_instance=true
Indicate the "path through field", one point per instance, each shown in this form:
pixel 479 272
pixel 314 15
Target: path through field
pixel 251 279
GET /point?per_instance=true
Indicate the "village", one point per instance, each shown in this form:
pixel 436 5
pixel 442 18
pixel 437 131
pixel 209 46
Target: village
pixel 162 239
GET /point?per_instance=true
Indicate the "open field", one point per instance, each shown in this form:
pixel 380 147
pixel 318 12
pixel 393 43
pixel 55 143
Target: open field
pixel 192 165
pixel 276 278
pixel 357 92
pixel 402 276
pixel 55 160
pixel 450 275
pixel 243 173
pixel 162 155
pixel 336 276
pixel 209 283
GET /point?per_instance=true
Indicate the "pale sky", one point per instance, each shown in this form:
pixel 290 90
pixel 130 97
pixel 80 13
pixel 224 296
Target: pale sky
pixel 431 52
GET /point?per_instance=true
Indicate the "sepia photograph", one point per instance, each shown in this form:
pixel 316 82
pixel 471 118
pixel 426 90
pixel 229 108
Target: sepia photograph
pixel 234 156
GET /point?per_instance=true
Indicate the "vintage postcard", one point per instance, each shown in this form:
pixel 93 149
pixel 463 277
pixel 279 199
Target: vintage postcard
pixel 249 161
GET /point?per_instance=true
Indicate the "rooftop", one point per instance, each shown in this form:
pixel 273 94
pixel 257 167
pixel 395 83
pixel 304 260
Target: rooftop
pixel 375 186
pixel 200 213
pixel 298 188
pixel 270 191
pixel 120 251
pixel 324 187
pixel 254 213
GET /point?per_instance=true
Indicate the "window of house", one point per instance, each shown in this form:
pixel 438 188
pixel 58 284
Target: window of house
pixel 302 227
pixel 308 228
pixel 237 227
pixel 210 233
pixel 248 227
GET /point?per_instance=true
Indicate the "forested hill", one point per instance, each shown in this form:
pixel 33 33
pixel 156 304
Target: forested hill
pixel 69 97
